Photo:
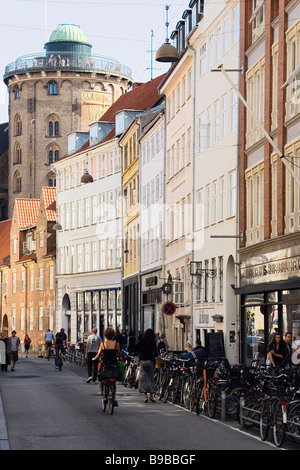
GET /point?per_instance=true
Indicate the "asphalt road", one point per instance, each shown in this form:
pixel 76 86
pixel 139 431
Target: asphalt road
pixel 45 409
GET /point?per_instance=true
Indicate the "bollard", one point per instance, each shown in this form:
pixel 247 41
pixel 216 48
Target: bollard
pixel 223 405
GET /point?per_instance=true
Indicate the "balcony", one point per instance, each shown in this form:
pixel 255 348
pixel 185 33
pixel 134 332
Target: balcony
pixel 39 62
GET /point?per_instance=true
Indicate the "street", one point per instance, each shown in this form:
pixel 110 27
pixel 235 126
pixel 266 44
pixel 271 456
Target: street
pixel 45 409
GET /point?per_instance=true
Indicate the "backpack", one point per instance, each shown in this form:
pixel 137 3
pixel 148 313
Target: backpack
pixel 60 338
pixel 161 346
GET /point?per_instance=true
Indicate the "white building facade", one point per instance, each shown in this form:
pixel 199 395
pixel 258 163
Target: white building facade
pixel 151 184
pixel 214 265
pixel 89 243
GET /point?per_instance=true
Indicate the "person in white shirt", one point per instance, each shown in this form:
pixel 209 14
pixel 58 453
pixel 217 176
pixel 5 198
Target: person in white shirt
pixel 92 347
pixel 13 348
pixel 296 350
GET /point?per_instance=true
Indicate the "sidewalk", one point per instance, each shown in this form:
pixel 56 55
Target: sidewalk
pixel 4 444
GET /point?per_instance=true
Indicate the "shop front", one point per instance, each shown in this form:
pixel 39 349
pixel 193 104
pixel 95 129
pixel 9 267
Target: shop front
pixel 270 300
pixel 151 302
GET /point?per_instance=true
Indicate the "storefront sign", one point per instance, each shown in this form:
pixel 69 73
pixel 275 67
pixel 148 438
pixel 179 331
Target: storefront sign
pixel 268 269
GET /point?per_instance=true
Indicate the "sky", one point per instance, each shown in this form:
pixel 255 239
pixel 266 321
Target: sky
pixel 122 29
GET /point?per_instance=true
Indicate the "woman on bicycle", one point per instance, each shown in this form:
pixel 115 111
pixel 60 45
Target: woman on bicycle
pixel 109 353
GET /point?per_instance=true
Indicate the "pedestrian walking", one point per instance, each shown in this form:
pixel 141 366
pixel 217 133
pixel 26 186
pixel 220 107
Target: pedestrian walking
pixel 49 339
pixel 276 353
pixel 92 347
pixel 289 350
pixel 147 351
pixel 27 343
pixel 60 344
pixel 4 366
pixel 13 349
pixel 131 342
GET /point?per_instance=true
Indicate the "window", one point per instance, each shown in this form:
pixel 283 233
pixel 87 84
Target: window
pixel 17 182
pixel 53 155
pixel 31 318
pixel 202 60
pixel 51 277
pixel 31 280
pixel 23 281
pixel 236 25
pixel 234 111
pixel 17 92
pixel 257 19
pixel 53 128
pixel 255 81
pixel 224 116
pixel 202 133
pixel 218 43
pixel 226 35
pixel 217 121
pixel 232 194
pixel 79 258
pixel 18 125
pixel 220 262
pixel 52 88
pixel 210 51
pixel 14 283
pixel 41 318
pixel 255 204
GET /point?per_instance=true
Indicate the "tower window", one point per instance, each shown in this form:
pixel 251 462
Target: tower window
pixel 54 128
pixel 53 156
pixel 52 88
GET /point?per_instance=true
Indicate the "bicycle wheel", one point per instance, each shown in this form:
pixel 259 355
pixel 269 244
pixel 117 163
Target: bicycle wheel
pixel 233 399
pixel 211 400
pixel 279 425
pixel 175 389
pixel 264 420
pixel 168 390
pixel 60 364
pixel 163 385
pixel 187 393
pixel 293 422
pixel 111 396
pixel 104 399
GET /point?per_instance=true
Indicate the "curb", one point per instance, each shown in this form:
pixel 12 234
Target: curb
pixel 4 444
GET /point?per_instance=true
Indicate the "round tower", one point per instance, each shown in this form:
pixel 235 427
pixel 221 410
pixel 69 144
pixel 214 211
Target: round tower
pixel 51 94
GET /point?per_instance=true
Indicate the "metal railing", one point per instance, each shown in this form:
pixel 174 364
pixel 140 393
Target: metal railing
pixel 39 61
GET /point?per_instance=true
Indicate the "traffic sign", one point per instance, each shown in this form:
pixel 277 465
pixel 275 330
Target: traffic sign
pixel 169 308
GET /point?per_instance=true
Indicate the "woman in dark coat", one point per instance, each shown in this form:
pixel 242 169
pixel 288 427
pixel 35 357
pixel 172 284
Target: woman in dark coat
pixel 146 349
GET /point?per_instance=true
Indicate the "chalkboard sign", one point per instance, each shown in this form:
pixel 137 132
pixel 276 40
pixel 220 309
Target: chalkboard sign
pixel 215 345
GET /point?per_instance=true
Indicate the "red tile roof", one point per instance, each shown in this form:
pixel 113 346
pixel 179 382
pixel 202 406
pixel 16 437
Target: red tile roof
pixel 142 97
pixel 5 226
pixel 49 194
pixel 27 210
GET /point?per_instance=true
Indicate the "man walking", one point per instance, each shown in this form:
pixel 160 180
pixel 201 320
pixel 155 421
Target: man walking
pixel 92 347
pixel 49 338
pixel 60 344
pixel 13 349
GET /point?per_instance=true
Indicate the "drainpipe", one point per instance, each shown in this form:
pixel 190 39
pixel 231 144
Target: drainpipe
pixel 193 188
pixel 26 284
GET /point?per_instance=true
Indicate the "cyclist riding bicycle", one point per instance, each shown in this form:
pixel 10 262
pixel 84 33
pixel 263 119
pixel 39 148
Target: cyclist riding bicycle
pixel 109 353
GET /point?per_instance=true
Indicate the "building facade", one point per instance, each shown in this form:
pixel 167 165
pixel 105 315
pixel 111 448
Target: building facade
pixel 269 174
pixel 151 187
pixel 214 218
pixel 28 270
pixel 90 239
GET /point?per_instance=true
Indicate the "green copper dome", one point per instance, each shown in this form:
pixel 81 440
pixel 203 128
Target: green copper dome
pixel 68 33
